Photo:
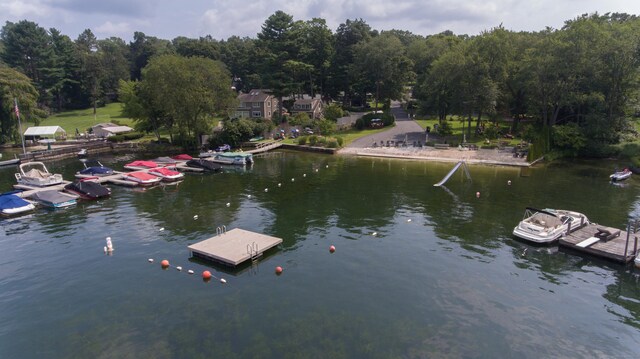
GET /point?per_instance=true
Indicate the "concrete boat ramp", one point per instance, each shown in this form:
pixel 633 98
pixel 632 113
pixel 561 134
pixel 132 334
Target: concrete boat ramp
pixel 234 247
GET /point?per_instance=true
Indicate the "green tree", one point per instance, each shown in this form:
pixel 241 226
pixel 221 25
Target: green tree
pixel 142 49
pixel 27 47
pixel 66 85
pixel 189 90
pixel 92 71
pixel 333 112
pixel 203 47
pixel 16 86
pixel 113 57
pixel 239 54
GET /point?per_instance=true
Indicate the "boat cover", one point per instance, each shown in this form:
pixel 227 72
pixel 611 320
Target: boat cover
pixel 52 196
pixel 164 160
pixel 140 175
pixel 205 165
pixel 164 171
pixel 182 157
pixel 147 164
pixel 88 189
pixel 97 170
pixel 10 200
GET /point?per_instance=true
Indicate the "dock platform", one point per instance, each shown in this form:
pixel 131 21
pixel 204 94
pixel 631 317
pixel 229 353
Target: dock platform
pixel 588 239
pixel 234 247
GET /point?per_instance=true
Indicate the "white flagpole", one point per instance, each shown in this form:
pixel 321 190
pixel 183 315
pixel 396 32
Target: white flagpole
pixel 15 102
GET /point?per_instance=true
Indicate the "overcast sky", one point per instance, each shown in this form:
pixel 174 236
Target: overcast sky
pixel 168 19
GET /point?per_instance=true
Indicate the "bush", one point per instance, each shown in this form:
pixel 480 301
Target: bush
pixel 313 140
pixel 340 141
pixel 444 129
pixel 332 143
pixel 302 140
pixel 321 140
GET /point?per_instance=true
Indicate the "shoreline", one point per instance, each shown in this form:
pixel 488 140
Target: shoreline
pixel 482 157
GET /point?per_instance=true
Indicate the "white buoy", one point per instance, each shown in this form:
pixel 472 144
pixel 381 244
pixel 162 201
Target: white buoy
pixel 409 220
pixel 279 184
pixel 190 271
pixel 304 175
pixel 228 204
pixel 316 170
pixel 374 234
pixel 248 196
pixel 509 182
pixel 195 217
pixel 179 268
pixel 327 166
pixel 105 249
pixel 150 260
pixel 222 280
pixel 109 244
pixel 266 190
pixel 161 229
pixel 293 180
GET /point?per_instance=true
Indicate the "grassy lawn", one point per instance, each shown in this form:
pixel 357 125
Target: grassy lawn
pixel 457 127
pixel 83 119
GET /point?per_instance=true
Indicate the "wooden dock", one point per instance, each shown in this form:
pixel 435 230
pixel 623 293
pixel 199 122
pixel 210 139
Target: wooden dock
pixel 621 247
pixel 234 247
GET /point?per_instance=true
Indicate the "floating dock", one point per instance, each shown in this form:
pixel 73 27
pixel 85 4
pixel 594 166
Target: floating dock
pixel 602 241
pixel 234 247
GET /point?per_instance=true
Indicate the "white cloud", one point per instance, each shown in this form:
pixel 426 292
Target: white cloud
pixel 24 9
pixel 109 29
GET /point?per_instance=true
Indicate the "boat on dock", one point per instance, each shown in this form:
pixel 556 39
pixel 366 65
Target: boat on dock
pixel 95 168
pixel 11 204
pixel 620 175
pixel 83 153
pixel 548 225
pixel 35 174
pixel 166 174
pixel 141 178
pixel 182 157
pixel 11 162
pixel 233 158
pixel 87 188
pixel 140 165
pixel 205 165
pixel 54 199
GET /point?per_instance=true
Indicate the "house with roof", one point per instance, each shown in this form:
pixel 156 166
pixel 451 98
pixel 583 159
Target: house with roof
pixel 36 133
pixel 314 107
pixel 258 103
pixel 104 130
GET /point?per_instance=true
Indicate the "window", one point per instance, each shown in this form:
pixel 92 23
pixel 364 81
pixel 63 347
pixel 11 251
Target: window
pixel 269 114
pixel 269 104
pixel 256 114
pixel 256 105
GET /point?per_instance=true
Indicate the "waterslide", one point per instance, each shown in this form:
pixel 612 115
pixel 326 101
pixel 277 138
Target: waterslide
pixel 455 168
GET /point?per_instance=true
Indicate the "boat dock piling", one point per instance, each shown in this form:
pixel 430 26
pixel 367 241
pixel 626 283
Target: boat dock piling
pixel 233 247
pixel 602 241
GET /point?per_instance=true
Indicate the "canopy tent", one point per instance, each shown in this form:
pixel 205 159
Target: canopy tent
pixel 38 132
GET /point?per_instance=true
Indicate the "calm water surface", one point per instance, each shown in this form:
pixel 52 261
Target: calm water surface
pixel 443 276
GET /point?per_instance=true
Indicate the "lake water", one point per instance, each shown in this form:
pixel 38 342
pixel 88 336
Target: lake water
pixel 442 276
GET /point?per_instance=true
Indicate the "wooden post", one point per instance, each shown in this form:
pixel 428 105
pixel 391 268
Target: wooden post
pixel 626 245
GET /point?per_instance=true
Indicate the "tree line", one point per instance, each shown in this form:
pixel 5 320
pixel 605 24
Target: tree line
pixel 574 89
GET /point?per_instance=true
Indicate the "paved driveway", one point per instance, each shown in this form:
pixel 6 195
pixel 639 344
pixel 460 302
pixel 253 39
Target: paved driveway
pixel 405 129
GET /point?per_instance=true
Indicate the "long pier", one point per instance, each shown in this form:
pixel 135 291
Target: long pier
pixel 602 241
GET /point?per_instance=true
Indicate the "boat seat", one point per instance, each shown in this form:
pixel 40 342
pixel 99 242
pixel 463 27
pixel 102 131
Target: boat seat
pixel 605 234
pixel 36 173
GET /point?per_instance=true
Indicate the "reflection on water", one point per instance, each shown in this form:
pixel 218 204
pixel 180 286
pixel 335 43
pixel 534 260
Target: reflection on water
pixel 419 271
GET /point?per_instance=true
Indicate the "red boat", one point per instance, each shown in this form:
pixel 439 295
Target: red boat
pixel 182 157
pixel 166 174
pixel 140 165
pixel 142 178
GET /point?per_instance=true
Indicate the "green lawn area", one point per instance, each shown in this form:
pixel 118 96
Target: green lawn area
pixel 456 126
pixel 83 119
pixel 348 135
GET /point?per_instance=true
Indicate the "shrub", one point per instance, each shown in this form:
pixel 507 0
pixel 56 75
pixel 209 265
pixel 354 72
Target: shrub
pixel 321 140
pixel 444 129
pixel 340 141
pixel 302 140
pixel 313 140
pixel 332 143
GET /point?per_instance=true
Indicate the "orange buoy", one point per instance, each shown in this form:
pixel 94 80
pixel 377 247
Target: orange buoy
pixel 164 263
pixel 206 275
pixel 278 270
pixel 332 249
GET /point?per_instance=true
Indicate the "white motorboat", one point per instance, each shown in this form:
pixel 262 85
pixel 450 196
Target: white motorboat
pixel 233 158
pixel 620 175
pixel 548 225
pixel 36 174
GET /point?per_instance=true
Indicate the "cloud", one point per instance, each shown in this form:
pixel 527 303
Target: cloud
pixel 109 29
pixel 125 8
pixel 22 9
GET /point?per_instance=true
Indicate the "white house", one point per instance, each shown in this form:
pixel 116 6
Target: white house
pixel 109 129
